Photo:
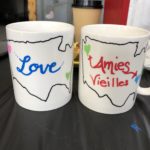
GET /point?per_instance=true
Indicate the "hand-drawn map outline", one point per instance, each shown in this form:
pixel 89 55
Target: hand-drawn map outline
pixel 119 44
pixel 58 84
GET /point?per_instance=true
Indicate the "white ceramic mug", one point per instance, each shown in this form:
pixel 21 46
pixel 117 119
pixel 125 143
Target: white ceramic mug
pixel 41 60
pixel 111 64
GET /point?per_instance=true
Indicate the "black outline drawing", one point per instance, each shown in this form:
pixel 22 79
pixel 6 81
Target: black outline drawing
pixel 26 42
pixel 58 84
pixel 105 95
pixel 48 95
pixel 137 45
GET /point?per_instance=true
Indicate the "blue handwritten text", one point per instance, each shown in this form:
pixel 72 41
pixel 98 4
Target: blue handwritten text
pixel 34 67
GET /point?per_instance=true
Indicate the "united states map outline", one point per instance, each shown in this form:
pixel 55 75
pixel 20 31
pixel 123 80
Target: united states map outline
pixel 55 85
pixel 84 41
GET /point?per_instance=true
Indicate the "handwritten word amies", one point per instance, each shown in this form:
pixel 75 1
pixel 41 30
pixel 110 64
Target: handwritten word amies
pixel 27 69
pixel 112 67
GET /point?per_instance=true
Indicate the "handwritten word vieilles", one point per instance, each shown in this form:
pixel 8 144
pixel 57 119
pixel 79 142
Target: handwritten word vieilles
pixel 112 68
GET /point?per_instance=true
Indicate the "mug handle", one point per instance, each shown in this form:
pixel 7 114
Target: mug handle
pixel 141 90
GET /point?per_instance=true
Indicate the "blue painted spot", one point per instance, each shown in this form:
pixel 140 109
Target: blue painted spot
pixel 137 78
pixel 135 127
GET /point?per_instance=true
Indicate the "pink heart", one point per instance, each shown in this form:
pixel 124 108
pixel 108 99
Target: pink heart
pixel 9 48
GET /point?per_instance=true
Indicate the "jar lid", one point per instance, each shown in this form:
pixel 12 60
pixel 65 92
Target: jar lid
pixel 88 3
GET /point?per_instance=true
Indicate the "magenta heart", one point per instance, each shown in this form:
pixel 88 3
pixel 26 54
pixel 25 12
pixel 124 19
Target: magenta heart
pixel 9 48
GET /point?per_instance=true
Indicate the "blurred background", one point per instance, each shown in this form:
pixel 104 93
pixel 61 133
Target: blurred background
pixel 76 12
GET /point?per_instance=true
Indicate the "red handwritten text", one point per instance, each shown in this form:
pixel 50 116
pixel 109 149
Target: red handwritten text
pixel 112 67
pixel 108 82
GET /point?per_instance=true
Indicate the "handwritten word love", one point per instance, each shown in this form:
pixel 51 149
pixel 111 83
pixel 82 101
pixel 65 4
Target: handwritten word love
pixel 112 67
pixel 27 69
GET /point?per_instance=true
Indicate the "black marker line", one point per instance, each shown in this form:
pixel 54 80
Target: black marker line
pixel 105 95
pixel 142 50
pixel 85 82
pixel 45 100
pixel 119 44
pixel 35 42
pixel 87 37
pixel 70 46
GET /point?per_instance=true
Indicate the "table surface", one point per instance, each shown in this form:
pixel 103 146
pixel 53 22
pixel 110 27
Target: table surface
pixel 72 127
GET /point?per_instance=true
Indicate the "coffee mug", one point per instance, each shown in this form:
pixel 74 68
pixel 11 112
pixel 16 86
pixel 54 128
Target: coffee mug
pixel 111 64
pixel 41 61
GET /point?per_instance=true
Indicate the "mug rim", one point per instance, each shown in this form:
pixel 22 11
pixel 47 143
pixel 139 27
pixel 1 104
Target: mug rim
pixel 89 30
pixel 25 27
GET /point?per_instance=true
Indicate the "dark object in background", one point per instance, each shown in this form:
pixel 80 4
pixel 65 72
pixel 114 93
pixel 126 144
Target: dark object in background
pixel 13 10
pixel 87 3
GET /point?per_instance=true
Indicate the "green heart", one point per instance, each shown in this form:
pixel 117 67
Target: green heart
pixel 87 48
pixel 68 75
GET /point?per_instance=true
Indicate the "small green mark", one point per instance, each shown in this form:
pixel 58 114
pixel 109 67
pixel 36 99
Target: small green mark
pixel 68 75
pixel 87 49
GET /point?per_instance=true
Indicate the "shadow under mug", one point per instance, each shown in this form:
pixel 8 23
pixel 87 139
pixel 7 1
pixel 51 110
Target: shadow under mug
pixel 111 64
